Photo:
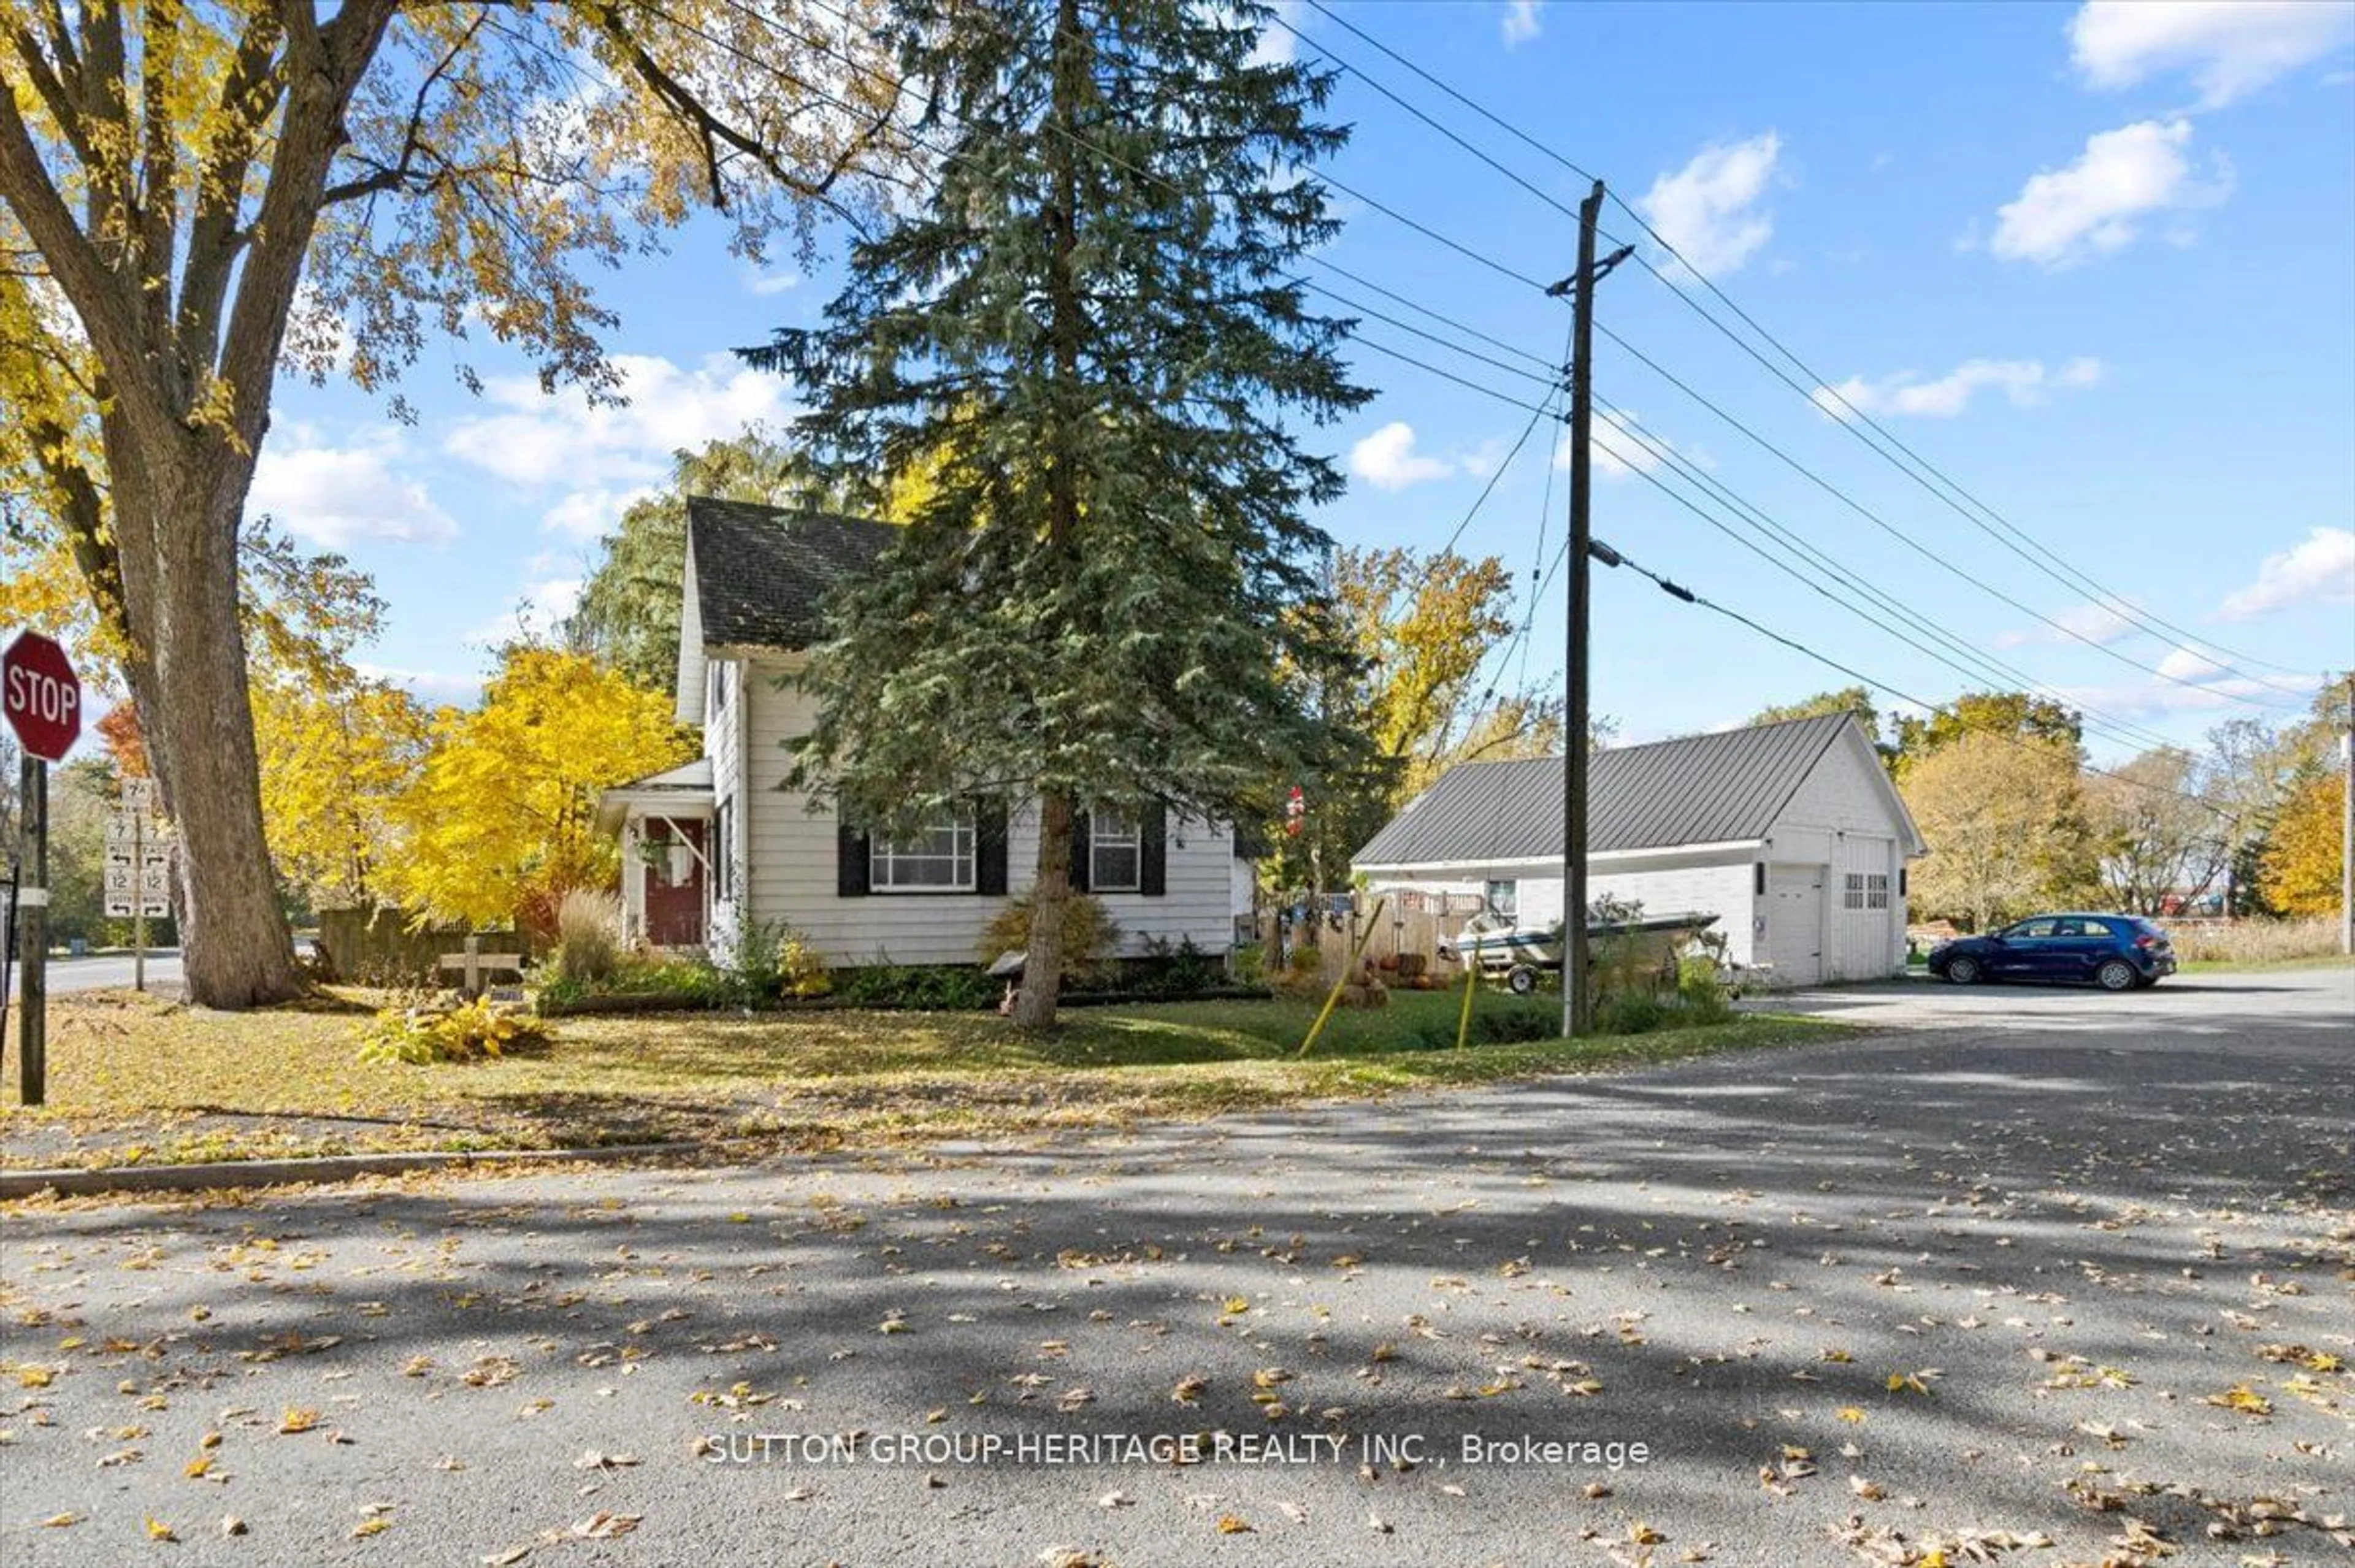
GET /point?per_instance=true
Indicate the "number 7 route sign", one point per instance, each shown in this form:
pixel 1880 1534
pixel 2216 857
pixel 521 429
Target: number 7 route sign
pixel 41 696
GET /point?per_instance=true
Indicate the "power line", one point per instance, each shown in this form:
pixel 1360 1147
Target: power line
pixel 1902 536
pixel 2094 717
pixel 1674 590
pixel 2146 622
pixel 1757 518
pixel 1489 391
pixel 1497 474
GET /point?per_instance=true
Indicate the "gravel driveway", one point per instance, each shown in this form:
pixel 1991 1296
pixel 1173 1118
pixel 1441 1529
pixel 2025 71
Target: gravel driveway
pixel 2043 1276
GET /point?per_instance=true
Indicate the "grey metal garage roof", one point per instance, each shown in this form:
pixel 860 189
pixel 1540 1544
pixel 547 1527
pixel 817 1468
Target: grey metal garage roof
pixel 763 573
pixel 1701 789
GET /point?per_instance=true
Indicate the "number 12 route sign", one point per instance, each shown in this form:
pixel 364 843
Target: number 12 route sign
pixel 41 696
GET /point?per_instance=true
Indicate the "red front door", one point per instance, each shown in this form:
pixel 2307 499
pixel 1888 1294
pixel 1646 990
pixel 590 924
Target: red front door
pixel 674 883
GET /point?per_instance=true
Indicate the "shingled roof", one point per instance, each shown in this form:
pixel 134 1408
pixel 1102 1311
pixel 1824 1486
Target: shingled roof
pixel 1702 789
pixel 763 573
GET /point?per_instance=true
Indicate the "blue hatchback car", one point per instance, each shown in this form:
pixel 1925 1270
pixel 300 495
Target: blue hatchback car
pixel 2116 952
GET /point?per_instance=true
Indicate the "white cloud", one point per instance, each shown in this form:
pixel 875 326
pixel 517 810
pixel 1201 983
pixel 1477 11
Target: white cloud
pixel 427 685
pixel 1519 22
pixel 2318 570
pixel 539 605
pixel 1618 454
pixel 767 284
pixel 2157 699
pixel 1388 460
pixel 1708 209
pixel 2093 622
pixel 2023 381
pixel 2189 664
pixel 1276 45
pixel 2098 204
pixel 539 439
pixel 591 514
pixel 2231 48
pixel 337 496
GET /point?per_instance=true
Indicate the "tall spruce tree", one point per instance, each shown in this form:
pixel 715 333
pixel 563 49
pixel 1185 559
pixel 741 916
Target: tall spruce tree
pixel 1084 333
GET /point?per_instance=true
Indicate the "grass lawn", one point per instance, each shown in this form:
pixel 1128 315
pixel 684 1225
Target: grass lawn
pixel 2236 965
pixel 134 1079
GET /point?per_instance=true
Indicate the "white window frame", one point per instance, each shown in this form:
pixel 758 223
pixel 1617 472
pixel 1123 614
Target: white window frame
pixel 1852 890
pixel 1876 891
pixel 884 856
pixel 1509 906
pixel 1111 830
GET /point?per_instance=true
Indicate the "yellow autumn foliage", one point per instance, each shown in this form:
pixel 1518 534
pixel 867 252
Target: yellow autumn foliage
pixel 502 821
pixel 2300 871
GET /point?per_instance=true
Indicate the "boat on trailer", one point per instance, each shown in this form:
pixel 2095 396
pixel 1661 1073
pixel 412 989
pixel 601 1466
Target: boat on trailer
pixel 1502 947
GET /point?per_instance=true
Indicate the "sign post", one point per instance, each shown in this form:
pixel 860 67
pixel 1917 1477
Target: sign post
pixel 42 701
pixel 138 869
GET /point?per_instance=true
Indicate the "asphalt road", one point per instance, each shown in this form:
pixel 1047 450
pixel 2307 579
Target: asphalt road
pixel 110 971
pixel 2064 1275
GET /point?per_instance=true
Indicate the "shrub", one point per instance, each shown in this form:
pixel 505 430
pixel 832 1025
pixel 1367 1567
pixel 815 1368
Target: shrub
pixel 588 935
pixel 1495 1021
pixel 464 1032
pixel 752 973
pixel 801 966
pixel 1184 970
pixel 1089 937
pixel 1631 1012
pixel 1247 961
pixel 924 988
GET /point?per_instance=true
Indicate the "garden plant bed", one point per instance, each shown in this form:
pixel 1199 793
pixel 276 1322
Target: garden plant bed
pixel 133 1079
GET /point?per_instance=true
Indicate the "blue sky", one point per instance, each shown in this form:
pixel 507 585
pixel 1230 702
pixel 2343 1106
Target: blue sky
pixel 2097 264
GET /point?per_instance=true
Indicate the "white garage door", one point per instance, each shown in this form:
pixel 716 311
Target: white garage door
pixel 1795 923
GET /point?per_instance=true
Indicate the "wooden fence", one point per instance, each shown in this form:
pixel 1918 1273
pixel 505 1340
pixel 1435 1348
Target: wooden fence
pixel 376 947
pixel 1409 926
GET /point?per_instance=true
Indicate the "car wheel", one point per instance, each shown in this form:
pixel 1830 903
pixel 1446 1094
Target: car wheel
pixel 1522 980
pixel 2117 975
pixel 1963 971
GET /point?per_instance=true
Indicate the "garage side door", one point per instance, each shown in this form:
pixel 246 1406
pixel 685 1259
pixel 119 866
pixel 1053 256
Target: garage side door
pixel 1795 923
pixel 1865 934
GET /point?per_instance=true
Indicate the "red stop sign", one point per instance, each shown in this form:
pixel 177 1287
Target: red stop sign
pixel 41 696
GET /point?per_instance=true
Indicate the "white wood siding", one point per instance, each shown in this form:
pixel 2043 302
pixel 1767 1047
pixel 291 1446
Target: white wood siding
pixel 790 853
pixel 723 743
pixel 1840 820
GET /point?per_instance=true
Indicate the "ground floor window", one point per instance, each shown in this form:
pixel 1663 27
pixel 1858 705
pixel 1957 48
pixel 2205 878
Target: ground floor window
pixel 1876 891
pixel 1115 853
pixel 723 851
pixel 937 857
pixel 1504 898
pixel 1853 892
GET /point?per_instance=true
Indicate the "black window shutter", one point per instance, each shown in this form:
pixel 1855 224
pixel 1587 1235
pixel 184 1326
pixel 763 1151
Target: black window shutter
pixel 850 867
pixel 1153 853
pixel 989 846
pixel 1901 881
pixel 1079 857
pixel 1758 881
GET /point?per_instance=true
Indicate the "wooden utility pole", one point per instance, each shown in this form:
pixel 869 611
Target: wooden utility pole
pixel 2347 826
pixel 1574 999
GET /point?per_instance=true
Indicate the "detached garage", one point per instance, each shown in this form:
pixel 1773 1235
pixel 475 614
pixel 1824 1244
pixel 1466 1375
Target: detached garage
pixel 1791 834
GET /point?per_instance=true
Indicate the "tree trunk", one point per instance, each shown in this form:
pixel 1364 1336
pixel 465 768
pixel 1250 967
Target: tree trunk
pixel 1051 895
pixel 176 522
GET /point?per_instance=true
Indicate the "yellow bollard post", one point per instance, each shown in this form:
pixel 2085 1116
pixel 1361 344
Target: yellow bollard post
pixel 1349 968
pixel 1471 980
